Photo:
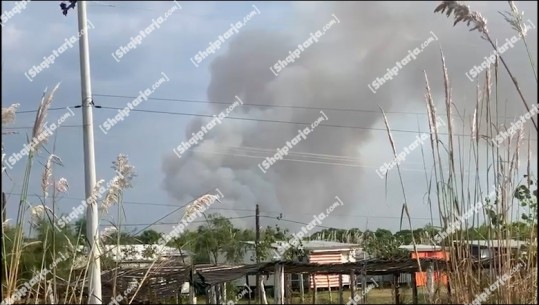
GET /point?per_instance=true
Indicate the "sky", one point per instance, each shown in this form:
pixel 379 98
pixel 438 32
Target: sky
pixel 345 47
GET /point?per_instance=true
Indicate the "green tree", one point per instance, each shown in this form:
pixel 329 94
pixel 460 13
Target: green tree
pixel 217 236
pixel 80 228
pixel 528 201
pixel 125 239
pixel 49 242
pixel 404 236
pixel 383 234
pixel 149 237
pixel 341 235
pixel 272 235
pixel 382 244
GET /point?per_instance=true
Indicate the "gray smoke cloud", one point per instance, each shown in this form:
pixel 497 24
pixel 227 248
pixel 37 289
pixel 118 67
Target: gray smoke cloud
pixel 334 73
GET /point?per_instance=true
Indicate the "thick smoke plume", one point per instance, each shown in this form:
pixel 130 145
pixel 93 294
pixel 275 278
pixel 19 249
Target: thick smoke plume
pixel 333 73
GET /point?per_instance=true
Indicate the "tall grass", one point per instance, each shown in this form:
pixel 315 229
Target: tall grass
pixel 464 172
pixel 35 240
pixel 501 165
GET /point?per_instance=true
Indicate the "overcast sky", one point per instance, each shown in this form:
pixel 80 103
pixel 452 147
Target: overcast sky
pixel 362 42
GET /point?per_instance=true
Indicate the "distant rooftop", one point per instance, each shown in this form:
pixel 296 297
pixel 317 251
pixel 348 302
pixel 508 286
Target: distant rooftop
pixel 503 243
pixel 325 245
pixel 316 245
pixel 320 245
pixel 421 248
pixel 136 252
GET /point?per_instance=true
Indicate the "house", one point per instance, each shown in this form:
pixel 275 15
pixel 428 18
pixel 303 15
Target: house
pixel 428 251
pixel 325 252
pixel 137 255
pixel 140 254
pixel 316 251
pixel 483 249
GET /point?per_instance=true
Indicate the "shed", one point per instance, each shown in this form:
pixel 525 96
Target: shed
pixel 428 251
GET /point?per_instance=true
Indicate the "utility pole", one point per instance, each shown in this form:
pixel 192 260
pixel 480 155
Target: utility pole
pixel 257 249
pixel 94 281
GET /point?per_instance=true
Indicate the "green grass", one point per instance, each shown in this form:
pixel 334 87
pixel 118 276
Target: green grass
pixel 375 296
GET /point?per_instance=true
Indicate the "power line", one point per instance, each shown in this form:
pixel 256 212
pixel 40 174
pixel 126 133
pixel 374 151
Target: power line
pixel 303 161
pixel 31 127
pixel 232 209
pixel 261 105
pixel 184 100
pixel 356 216
pixel 315 225
pixel 283 122
pixel 266 151
pixel 175 223
pixel 317 108
pixel 50 109
pixel 138 202
pixel 263 121
pixel 250 119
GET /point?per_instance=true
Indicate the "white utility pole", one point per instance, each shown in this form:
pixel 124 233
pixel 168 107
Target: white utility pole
pixel 94 281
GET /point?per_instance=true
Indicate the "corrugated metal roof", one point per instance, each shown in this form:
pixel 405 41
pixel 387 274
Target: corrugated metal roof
pixel 166 277
pixel 422 248
pixel 327 245
pixel 316 245
pixel 503 243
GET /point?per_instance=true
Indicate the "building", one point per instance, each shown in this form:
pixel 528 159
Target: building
pixel 329 252
pixel 249 257
pixel 140 255
pixel 325 252
pixel 484 249
pixel 316 251
pixel 428 251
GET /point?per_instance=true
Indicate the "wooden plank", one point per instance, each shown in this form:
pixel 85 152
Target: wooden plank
pixel 217 291
pixel 430 282
pixel 278 288
pixel 301 289
pixel 329 290
pixel 352 284
pixel 281 282
pixel 414 289
pixel 223 292
pixel 341 297
pixel 289 288
pixel 314 291
pixel 247 283
pixel 396 287
pixel 364 287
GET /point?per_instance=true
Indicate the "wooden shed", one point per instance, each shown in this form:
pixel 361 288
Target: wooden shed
pixel 428 251
pixel 329 252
